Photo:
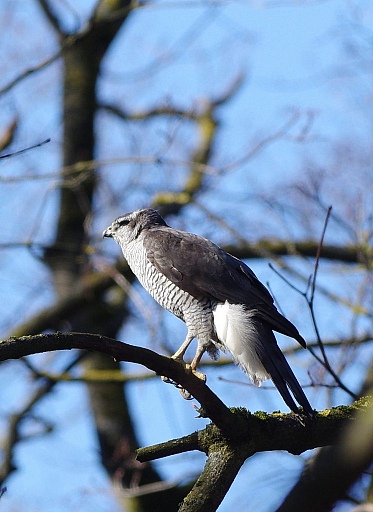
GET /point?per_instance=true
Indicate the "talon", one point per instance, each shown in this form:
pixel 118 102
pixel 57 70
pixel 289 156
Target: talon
pixel 197 374
pixel 185 394
pixel 167 380
pixel 201 412
pixel 189 367
pixel 180 360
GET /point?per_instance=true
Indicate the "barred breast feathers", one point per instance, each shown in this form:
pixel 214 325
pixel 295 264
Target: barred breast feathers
pixel 237 333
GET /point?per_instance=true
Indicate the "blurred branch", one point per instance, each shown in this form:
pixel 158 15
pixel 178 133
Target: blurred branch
pixel 328 476
pixel 31 71
pixel 177 47
pixel 52 18
pixel 282 132
pixel 205 119
pixel 207 124
pixel 306 248
pixel 334 343
pixel 148 114
pixel 171 202
pixel 12 436
pixel 172 111
pixel 117 14
pixel 79 171
pixel 7 136
pixel 49 318
pixel 212 406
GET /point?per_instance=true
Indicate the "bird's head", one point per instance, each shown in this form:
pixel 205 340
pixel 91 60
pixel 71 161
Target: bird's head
pixel 128 227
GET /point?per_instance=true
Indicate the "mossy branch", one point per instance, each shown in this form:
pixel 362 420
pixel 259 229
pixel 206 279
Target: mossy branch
pixel 261 432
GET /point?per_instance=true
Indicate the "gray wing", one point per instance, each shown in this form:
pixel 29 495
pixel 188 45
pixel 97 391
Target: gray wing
pixel 202 269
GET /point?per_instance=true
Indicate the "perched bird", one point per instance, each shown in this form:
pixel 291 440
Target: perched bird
pixel 218 296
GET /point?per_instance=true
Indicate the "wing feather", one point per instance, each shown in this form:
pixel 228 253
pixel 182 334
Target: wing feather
pixel 201 268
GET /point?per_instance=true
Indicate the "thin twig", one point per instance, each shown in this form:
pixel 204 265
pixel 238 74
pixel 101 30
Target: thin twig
pixel 310 302
pixel 8 155
pixel 309 296
pixel 318 255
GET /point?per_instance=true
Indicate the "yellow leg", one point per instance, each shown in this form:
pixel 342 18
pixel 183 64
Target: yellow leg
pixel 178 356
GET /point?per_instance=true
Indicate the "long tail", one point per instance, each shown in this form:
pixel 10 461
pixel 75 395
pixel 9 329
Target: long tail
pixel 254 346
pixel 280 372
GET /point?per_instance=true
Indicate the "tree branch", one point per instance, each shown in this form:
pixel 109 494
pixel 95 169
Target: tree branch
pixel 306 248
pixel 221 468
pixel 212 406
pixel 12 435
pixel 262 432
pixel 330 474
pixel 158 451
pixel 51 16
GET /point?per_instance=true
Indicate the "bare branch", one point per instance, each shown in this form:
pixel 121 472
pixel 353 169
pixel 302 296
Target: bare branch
pixel 213 407
pixel 318 255
pixel 52 18
pixel 277 135
pixel 31 71
pixel 117 14
pixel 310 302
pixel 15 153
pixel 12 435
pixel 158 451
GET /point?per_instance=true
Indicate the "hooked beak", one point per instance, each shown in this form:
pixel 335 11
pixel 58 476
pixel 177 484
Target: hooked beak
pixel 107 233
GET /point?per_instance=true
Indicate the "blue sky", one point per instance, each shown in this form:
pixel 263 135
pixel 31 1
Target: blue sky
pixel 292 55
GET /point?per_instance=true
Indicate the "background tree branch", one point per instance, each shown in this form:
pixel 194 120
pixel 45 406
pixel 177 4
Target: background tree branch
pixel 236 435
pixel 166 104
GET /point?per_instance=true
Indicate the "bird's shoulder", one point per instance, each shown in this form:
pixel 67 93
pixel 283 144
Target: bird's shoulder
pixel 179 254
pixel 204 270
pixel 199 266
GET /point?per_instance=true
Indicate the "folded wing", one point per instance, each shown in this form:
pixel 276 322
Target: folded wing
pixel 202 269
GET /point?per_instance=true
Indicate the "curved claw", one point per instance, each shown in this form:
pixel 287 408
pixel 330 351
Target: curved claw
pixel 197 374
pixel 184 393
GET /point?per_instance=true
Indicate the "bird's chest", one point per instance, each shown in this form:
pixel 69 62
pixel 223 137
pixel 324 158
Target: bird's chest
pixel 164 291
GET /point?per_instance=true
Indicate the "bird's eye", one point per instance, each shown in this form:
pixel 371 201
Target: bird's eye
pixel 123 222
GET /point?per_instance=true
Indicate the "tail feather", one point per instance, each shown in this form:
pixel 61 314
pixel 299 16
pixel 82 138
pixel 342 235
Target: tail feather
pixel 254 346
pixel 278 368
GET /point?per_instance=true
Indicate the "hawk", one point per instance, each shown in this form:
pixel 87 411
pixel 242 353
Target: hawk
pixel 220 299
